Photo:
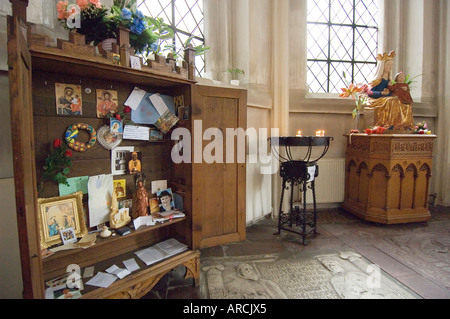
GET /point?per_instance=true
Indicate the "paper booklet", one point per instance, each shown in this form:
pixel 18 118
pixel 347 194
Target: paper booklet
pixel 161 251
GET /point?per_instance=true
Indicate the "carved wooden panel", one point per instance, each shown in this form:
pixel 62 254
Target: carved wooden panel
pixel 388 176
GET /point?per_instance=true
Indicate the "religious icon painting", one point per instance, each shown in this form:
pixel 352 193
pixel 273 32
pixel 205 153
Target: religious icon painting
pixel 107 103
pixel 120 188
pixel 134 162
pixel 68 99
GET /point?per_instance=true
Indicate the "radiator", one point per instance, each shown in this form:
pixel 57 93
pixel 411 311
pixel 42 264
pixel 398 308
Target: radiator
pixel 330 184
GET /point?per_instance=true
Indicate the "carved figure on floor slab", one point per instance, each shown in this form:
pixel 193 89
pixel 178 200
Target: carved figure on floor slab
pixel 390 111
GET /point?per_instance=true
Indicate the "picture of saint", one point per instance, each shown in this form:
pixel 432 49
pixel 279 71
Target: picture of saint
pixel 59 217
pixel 120 188
pixel 116 126
pixel 106 102
pixel 68 99
pixel 134 163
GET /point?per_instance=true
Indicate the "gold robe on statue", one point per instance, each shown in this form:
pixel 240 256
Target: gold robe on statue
pixel 389 111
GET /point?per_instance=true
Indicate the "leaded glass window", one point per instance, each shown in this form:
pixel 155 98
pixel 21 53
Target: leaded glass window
pixel 341 37
pixel 185 17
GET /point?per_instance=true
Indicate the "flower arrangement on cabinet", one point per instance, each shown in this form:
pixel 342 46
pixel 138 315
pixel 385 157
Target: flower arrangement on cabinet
pixel 421 128
pixel 92 17
pixel 57 164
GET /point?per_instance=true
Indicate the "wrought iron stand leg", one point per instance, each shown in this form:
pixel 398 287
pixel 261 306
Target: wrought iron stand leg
pixel 280 212
pixel 291 208
pixel 304 213
pixel 314 203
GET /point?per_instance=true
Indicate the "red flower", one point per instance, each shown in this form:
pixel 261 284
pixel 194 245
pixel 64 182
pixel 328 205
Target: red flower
pixel 368 131
pixel 68 153
pixel 118 116
pixel 127 109
pixel 57 143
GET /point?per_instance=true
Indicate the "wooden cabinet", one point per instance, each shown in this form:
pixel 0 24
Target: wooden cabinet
pixel 213 194
pixel 387 177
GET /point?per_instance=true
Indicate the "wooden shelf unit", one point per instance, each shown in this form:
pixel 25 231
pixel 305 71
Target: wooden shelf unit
pixel 213 194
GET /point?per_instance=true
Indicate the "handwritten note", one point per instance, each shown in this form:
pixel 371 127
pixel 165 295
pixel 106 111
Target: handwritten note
pixel 133 132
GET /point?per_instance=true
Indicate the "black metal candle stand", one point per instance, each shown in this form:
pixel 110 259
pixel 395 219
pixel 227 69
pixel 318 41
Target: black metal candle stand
pixel 300 173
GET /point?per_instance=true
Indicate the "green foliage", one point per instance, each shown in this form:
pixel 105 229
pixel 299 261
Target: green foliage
pixel 57 164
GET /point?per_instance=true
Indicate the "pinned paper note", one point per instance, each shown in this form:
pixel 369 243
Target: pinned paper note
pixel 135 98
pixel 74 184
pixel 159 104
pixel 133 132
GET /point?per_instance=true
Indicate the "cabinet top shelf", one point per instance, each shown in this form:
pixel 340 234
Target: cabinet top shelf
pixel 50 59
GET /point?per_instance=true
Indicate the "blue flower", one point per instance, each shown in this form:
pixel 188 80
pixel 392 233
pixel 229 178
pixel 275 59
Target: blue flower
pixel 125 14
pixel 140 15
pixel 154 47
pixel 138 26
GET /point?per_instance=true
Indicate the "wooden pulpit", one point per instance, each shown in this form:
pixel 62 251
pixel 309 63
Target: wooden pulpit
pixel 387 177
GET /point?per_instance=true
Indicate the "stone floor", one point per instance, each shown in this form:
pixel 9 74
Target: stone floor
pixel 415 254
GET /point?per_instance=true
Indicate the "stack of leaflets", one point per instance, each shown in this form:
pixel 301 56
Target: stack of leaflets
pixel 161 251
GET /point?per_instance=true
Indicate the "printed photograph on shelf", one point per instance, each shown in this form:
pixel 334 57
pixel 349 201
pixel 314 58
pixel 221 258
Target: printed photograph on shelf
pixel 68 235
pixel 120 188
pixel 116 126
pixel 183 113
pixel 68 99
pixel 116 59
pixel 156 136
pixel 135 62
pixel 60 213
pixel 66 293
pixel 107 139
pixel 154 205
pixel 166 122
pixel 134 162
pixel 178 101
pixel 107 103
pixel 126 203
pixel 119 159
pixel 165 200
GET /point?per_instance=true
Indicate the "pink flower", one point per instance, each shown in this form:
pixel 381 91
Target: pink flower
pixel 83 4
pixel 61 7
pixel 97 3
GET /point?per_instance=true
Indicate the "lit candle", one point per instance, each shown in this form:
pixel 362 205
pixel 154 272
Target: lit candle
pixel 299 133
pixel 320 133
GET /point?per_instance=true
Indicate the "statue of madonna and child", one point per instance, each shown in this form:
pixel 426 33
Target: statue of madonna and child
pixel 391 102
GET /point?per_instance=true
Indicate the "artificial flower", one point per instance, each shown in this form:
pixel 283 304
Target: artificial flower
pixel 127 109
pixel 68 153
pixel 83 4
pixel 96 3
pixel 350 91
pixel 56 143
pixel 138 26
pixel 61 8
pixel 126 14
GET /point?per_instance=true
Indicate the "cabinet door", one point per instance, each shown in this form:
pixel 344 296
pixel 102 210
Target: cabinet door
pixel 218 192
pixel 19 62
